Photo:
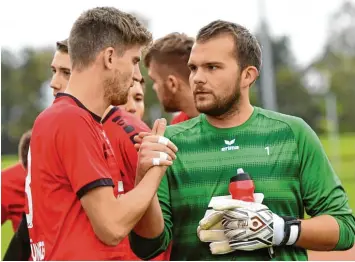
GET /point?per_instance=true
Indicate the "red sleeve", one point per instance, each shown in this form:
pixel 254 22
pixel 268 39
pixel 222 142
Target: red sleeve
pixel 175 120
pixel 4 214
pixel 82 153
pixel 181 117
pixel 12 194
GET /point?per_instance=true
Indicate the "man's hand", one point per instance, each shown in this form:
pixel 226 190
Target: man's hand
pixel 138 139
pixel 155 150
pixel 246 226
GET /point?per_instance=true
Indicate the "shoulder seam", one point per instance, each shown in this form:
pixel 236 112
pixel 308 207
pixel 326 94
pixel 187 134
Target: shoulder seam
pixel 186 129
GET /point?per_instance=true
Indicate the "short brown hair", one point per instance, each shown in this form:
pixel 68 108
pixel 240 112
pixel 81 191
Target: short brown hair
pixel 172 50
pixel 102 27
pixel 62 46
pixel 247 48
pixel 24 146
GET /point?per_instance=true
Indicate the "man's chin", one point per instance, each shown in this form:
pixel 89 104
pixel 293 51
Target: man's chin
pixel 203 107
pixel 119 102
pixel 169 109
pixel 208 110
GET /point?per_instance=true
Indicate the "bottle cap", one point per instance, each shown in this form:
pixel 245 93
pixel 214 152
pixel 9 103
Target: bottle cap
pixel 240 170
pixel 241 176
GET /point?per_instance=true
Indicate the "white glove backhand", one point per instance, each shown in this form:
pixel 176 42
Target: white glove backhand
pixel 240 225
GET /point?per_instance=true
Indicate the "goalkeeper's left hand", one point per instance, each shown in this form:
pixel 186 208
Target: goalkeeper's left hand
pixel 239 225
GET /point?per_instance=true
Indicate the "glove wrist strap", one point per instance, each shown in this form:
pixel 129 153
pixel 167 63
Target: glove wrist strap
pixel 292 231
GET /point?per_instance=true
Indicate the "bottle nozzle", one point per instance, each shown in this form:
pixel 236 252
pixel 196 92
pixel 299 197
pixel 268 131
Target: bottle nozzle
pixel 240 171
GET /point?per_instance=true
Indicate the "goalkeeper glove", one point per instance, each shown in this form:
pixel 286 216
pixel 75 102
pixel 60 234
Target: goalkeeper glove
pixel 239 225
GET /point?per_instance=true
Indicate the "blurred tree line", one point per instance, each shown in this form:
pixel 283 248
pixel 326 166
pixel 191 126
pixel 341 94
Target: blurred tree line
pixel 23 75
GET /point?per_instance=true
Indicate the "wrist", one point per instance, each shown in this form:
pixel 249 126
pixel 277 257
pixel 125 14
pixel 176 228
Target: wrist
pixel 288 232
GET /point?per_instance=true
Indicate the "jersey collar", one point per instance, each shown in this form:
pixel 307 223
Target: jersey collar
pixel 94 116
pixel 110 113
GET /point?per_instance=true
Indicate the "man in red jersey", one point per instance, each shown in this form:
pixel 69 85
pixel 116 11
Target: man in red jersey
pixel 73 211
pixel 166 61
pixel 13 185
pixel 120 127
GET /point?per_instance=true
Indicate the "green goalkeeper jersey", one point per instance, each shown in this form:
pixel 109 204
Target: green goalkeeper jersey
pixel 283 156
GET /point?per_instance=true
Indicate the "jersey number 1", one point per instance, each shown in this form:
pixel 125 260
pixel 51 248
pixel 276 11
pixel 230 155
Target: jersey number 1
pixel 29 216
pixel 267 150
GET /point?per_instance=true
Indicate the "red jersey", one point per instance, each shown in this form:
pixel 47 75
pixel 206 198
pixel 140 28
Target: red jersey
pixel 121 127
pixel 13 194
pixel 181 117
pixel 69 155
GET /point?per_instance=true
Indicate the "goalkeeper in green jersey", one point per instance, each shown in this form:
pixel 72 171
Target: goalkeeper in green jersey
pixel 282 154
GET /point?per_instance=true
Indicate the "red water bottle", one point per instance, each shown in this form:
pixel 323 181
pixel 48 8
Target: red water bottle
pixel 242 187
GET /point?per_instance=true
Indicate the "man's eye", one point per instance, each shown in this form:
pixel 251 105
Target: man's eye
pixel 192 68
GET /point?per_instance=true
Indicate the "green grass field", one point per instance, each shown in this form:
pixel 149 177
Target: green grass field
pixel 345 169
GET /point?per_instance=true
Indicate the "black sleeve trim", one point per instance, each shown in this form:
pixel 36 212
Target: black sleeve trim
pixel 97 183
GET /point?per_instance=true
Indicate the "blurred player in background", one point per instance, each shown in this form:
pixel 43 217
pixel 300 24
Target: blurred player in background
pixel 61 68
pixel 13 185
pixel 282 154
pixel 19 246
pixel 166 61
pixel 135 100
pixel 70 156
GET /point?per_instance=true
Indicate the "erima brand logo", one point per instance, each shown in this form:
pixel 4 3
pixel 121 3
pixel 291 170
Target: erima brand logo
pixel 229 145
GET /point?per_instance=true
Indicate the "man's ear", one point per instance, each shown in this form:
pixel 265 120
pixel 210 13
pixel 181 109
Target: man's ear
pixel 172 83
pixel 108 56
pixel 249 76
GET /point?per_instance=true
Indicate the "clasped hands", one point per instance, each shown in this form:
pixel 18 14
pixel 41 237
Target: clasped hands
pixel 154 149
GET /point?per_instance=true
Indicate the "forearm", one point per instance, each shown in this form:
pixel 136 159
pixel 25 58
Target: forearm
pixel 148 242
pixel 319 233
pixel 134 204
pixel 152 217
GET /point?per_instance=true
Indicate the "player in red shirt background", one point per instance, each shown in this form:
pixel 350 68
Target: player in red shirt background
pixel 13 195
pixel 135 100
pixel 13 185
pixel 70 157
pixel 167 66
